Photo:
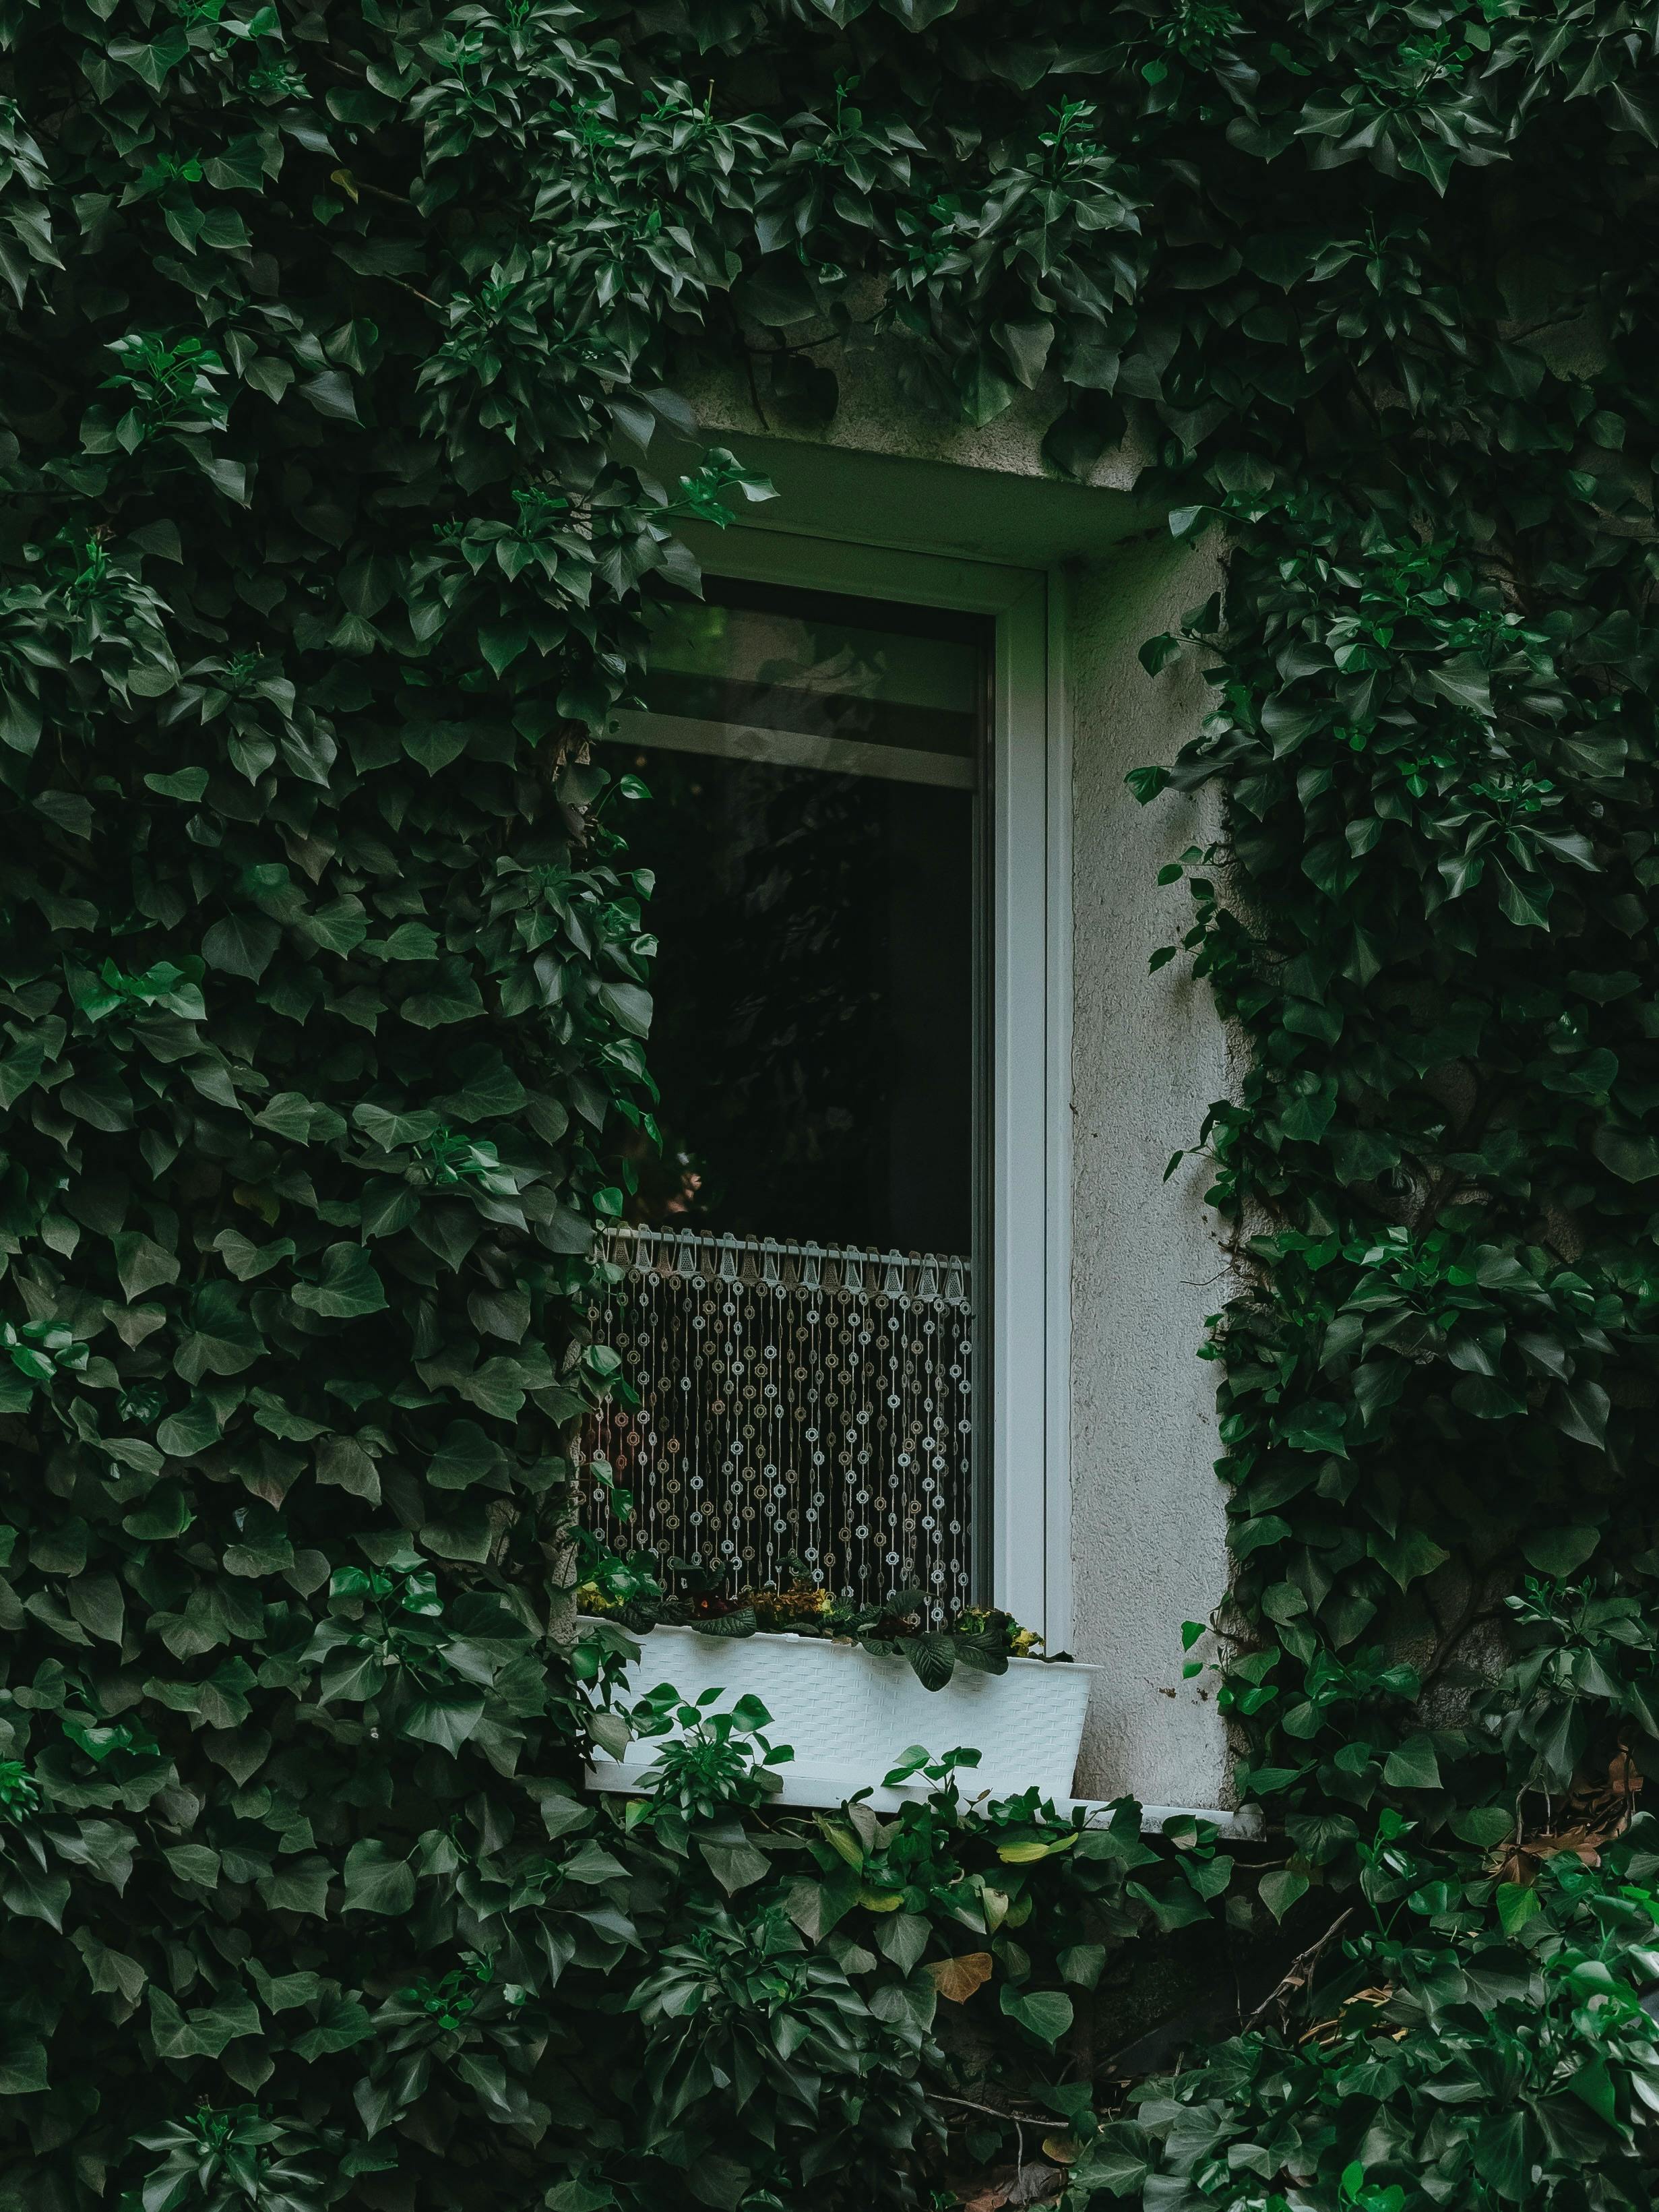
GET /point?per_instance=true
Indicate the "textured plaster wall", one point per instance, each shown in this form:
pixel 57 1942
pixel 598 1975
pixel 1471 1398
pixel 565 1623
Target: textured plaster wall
pixel 1148 1055
pixel 874 414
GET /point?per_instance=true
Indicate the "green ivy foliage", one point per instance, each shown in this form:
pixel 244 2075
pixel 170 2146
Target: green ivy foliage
pixel 338 349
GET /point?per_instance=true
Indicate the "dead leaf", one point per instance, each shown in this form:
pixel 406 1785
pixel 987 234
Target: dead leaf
pixel 1326 2032
pixel 1065 2150
pixel 956 1980
pixel 991 2198
pixel 1594 1815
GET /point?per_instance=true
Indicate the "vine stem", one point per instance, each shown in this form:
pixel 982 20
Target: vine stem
pixel 999 2112
pixel 1019 2122
pixel 1016 2122
pixel 1303 1958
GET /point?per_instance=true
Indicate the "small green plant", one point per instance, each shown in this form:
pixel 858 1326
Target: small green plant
pixel 981 1637
pixel 709 1760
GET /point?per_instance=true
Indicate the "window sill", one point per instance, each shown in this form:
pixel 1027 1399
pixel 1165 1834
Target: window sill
pixel 850 1715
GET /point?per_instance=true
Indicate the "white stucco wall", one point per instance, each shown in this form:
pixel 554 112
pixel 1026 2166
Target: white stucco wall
pixel 1148 1524
pixel 1148 1541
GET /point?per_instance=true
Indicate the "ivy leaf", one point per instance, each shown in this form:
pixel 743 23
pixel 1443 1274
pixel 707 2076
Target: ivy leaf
pixel 142 1264
pixel 1027 1850
pixel 903 1939
pixel 1045 2014
pixel 242 945
pixel 195 1863
pixel 376 1881
pixel 1281 1889
pixel 445 1717
pixel 341 2024
pixel 1082 1963
pixel 246 1260
pixel 720 2181
pixel 188 784
pixel 391 1130
pixel 1559 1552
pixel 96 1601
pixel 1486 1398
pixel 452 997
pixel 488 1090
pixel 346 1288
pixel 1461 678
pixel 1025 346
pixel 1580 1410
pixel 1593 2085
pixel 1412 1765
pixel 985 393
pixel 193 1430
pixel 342 1461
pixel 22 2064
pixel 465 1534
pixel 629 1004
pixel 290 1113
pixel 221 1337
pixel 775 293
pixel 734 1863
pixel 1119 2159
pixel 1626 1153
pixel 1484 1825
pixel 33 1894
pixel 917 15
pixel 1408 1556
pixel 297 1885
pixel 1518 1903
pixel 467 1455
pixel 339 927
pixel 329 392
pixel 1501 2156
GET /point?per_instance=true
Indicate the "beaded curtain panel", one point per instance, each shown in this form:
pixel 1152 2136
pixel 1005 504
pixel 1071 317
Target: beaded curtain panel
pixel 797 1402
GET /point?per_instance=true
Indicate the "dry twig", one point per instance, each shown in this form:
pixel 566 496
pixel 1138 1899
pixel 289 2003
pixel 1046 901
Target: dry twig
pixel 1298 1973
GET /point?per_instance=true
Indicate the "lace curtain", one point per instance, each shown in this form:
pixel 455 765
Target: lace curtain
pixel 798 1401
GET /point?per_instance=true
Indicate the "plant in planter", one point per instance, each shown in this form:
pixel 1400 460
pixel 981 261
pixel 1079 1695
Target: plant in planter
pixel 708 1759
pixel 981 1637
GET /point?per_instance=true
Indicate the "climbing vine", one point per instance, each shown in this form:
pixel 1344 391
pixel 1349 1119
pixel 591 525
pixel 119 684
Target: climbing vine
pixel 340 358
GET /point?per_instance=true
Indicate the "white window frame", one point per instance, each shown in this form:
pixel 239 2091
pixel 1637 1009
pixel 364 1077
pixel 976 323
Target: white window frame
pixel 1027 1329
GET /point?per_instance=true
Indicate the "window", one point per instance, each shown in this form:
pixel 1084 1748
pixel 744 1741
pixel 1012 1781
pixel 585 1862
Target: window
pixel 824 1294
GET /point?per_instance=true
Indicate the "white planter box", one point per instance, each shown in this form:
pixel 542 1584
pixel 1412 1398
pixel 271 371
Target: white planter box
pixel 849 1715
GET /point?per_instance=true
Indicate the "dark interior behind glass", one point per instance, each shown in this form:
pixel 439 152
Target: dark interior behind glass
pixel 814 1035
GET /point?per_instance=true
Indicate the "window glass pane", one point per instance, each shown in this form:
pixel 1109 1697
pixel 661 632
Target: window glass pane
pixel 797 1306
pixel 814 1035
pixel 824 666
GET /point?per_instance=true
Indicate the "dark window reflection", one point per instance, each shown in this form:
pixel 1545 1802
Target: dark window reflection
pixel 784 660
pixel 814 1035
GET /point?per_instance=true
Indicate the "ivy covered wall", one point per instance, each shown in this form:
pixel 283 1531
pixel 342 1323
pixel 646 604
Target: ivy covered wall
pixel 334 345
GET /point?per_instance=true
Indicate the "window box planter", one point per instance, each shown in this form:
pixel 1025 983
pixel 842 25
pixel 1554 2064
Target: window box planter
pixel 848 1714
